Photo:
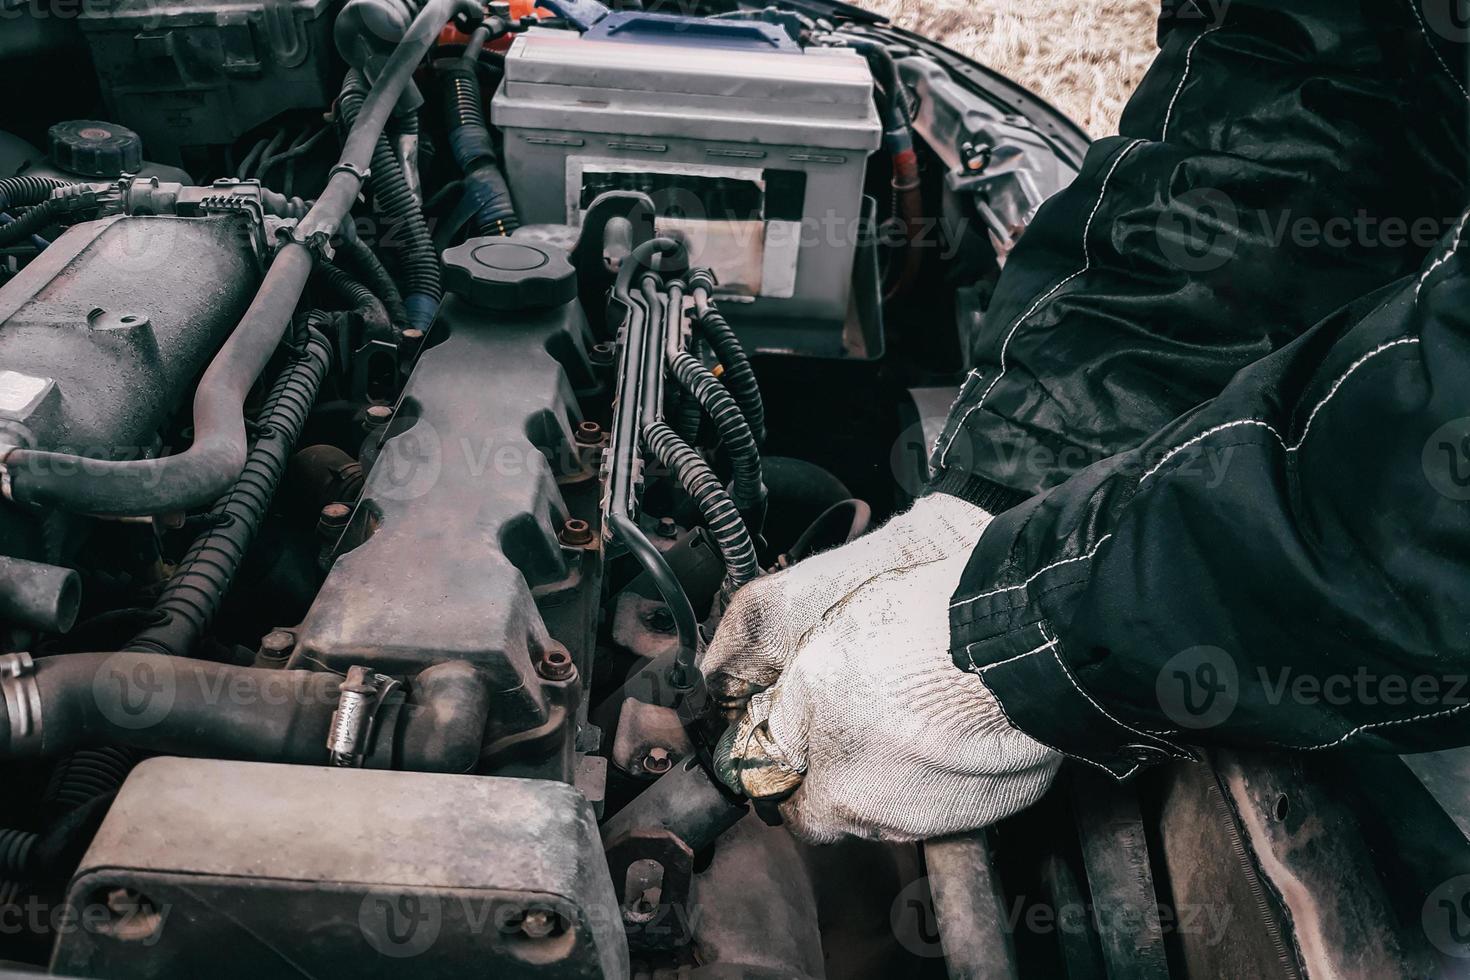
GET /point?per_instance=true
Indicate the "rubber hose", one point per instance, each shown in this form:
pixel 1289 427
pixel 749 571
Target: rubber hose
pixel 366 262
pixel 85 775
pixel 721 515
pixel 200 474
pixel 362 300
pixel 689 419
pixel 270 715
pixel 402 212
pixel 474 150
pixel 16 849
pixel 43 214
pixel 738 374
pixel 193 595
pixel 25 191
pixel 747 490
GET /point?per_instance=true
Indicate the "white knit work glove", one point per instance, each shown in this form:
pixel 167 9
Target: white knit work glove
pixel 860 709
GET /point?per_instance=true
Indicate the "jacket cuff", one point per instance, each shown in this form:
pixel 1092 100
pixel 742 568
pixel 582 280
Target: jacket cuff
pixel 1027 671
pixel 988 496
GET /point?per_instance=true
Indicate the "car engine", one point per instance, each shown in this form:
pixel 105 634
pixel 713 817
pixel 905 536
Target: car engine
pixel 392 395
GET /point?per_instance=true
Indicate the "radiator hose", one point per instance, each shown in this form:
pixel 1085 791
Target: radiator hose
pixel 200 474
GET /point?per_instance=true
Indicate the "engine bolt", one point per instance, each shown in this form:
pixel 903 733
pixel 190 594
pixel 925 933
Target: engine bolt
pixel 602 353
pixel 667 528
pixel 334 516
pixel 376 417
pixel 658 761
pixel 275 648
pixel 539 923
pixel 556 665
pixel 410 340
pixel 575 532
pixel 589 433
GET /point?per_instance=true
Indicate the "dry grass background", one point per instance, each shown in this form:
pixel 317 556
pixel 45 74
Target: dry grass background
pixel 1084 58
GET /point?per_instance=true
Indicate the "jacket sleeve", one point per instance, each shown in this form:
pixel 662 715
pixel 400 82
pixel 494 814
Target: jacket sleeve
pixel 1283 566
pixel 1280 159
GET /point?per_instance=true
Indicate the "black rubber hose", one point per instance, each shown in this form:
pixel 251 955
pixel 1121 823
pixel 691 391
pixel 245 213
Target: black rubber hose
pixel 200 474
pixel 738 374
pixel 85 775
pixel 746 488
pixel 25 191
pixel 212 710
pixel 194 593
pixel 401 212
pixel 16 850
pixel 474 150
pixel 360 256
pixel 42 215
pixel 357 294
pixel 689 416
pixel 720 513
pixel 359 298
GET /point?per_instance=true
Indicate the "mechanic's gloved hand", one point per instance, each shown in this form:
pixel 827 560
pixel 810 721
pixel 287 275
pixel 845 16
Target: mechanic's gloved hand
pixel 859 709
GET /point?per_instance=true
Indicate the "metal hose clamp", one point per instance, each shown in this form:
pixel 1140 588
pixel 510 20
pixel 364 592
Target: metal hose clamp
pixel 360 699
pixel 22 703
pixel 361 173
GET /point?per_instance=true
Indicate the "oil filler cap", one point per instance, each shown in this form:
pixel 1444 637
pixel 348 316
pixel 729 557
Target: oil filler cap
pixel 92 148
pixel 503 274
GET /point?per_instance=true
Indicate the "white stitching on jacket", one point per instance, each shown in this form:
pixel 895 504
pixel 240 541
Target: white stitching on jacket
pixel 1035 575
pixel 1338 384
pixel 1067 672
pixel 1020 656
pixel 1184 76
pixel 1443 712
pixel 1209 432
pixel 1005 344
pixel 1454 247
pixel 1414 6
pixel 980 672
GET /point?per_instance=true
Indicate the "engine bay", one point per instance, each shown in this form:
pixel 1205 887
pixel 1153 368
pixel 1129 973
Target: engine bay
pixel 392 395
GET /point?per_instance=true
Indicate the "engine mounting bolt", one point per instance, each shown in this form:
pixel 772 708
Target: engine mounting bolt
pixel 275 649
pixel 589 433
pixel 658 761
pixel 556 665
pixel 667 528
pixel 602 353
pixel 278 642
pixel 410 340
pixel 575 532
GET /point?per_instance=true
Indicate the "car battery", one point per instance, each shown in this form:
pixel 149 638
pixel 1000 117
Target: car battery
pixel 753 149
